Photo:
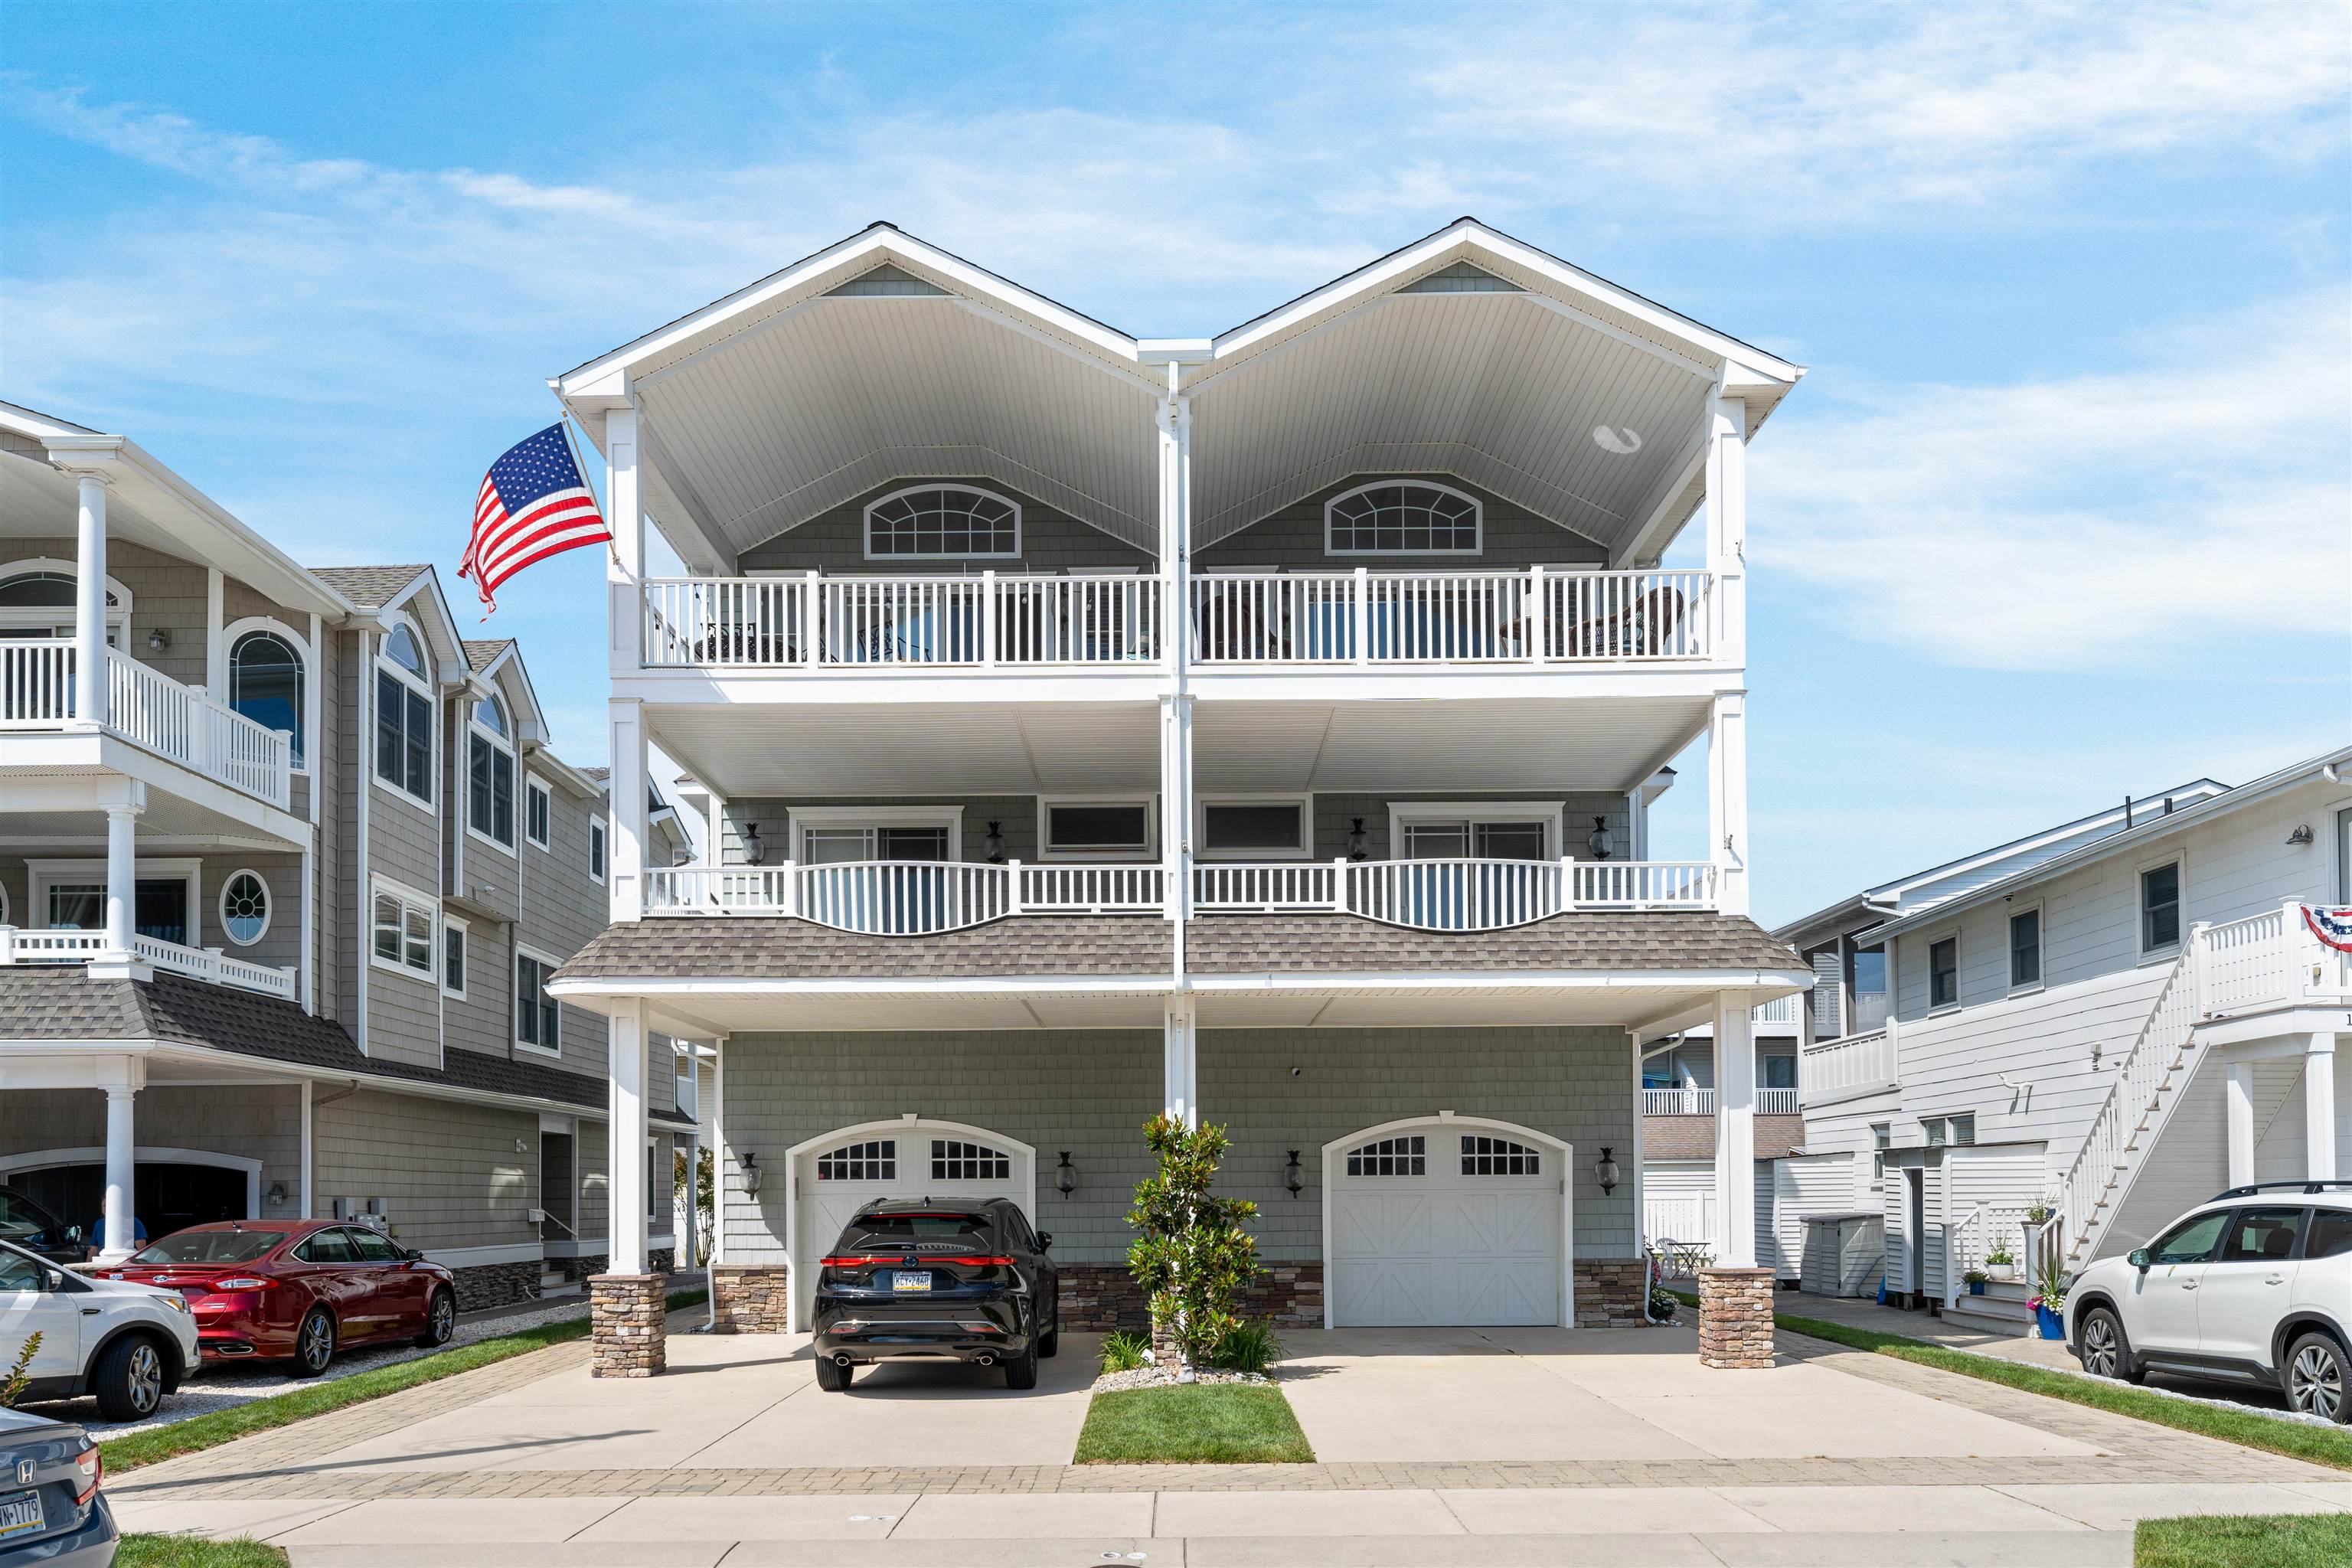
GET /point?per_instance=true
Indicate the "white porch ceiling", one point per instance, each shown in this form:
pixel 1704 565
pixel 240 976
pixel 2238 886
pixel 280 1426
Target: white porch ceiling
pixel 1483 745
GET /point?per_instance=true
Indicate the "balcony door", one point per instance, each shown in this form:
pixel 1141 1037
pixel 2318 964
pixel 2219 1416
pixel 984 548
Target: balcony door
pixel 895 878
pixel 159 909
pixel 1449 895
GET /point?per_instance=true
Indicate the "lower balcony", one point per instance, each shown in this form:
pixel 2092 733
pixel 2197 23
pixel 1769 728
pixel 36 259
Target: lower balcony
pixel 211 964
pixel 1701 1102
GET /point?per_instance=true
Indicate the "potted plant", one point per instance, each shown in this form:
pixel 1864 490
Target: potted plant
pixel 2000 1263
pixel 2050 1303
pixel 1975 1282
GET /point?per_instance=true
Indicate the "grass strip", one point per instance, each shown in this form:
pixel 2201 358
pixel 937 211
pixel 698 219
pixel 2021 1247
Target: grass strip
pixel 1193 1424
pixel 211 1430
pixel 195 1552
pixel 2266 1541
pixel 2248 1428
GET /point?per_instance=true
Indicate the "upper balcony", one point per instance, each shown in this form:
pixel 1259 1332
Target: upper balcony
pixel 178 723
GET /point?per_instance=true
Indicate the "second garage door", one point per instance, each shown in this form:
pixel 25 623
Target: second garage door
pixel 1445 1225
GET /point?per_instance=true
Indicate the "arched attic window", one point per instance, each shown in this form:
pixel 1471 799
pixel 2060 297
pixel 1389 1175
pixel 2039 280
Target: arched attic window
pixel 943 522
pixel 265 684
pixel 36 599
pixel 1401 517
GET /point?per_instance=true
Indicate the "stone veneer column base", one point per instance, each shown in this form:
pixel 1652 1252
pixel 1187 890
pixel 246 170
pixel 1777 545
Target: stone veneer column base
pixel 1609 1292
pixel 1735 1317
pixel 627 1335
pixel 752 1298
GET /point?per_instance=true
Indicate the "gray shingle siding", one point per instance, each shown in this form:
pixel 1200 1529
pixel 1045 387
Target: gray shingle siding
pixel 449 1173
pixel 252 1121
pixel 835 541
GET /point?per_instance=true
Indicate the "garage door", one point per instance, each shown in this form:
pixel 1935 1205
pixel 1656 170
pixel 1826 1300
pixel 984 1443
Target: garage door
pixel 1444 1225
pixel 838 1177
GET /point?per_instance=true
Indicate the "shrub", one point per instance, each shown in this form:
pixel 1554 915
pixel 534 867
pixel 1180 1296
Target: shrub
pixel 18 1378
pixel 1247 1347
pixel 1191 1255
pixel 1124 1351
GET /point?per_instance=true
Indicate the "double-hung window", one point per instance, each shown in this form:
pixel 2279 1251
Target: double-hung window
pixel 401 933
pixel 596 848
pixel 2024 949
pixel 538 808
pixel 537 1016
pixel 490 775
pixel 403 716
pixel 2159 907
pixel 1944 972
pixel 1882 1138
pixel 453 957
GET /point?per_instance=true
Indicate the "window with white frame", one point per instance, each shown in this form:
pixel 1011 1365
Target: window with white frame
pixel 70 895
pixel 943 522
pixel 402 929
pixel 1391 1157
pixel 1944 1132
pixel 454 936
pixel 1096 829
pixel 1406 516
pixel 2159 907
pixel 959 1159
pixel 1944 972
pixel 536 1013
pixel 538 811
pixel 36 600
pixel 1473 830
pixel 1487 1156
pixel 265 683
pixel 596 848
pixel 870 1159
pixel 245 908
pixel 490 774
pixel 1254 826
pixel 2024 949
pixel 404 715
pixel 1882 1138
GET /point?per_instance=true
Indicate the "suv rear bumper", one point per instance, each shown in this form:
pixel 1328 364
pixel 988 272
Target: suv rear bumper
pixel 865 1331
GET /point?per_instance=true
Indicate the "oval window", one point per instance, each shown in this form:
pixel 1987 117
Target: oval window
pixel 245 908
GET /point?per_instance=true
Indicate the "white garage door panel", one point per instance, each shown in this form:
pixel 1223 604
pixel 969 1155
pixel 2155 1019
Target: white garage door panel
pixel 1443 1247
pixel 825 1206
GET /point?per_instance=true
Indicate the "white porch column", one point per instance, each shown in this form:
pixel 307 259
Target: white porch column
pixel 626 1197
pixel 2319 1108
pixel 1735 1132
pixel 1726 800
pixel 626 869
pixel 121 881
pixel 120 1077
pixel 624 514
pixel 1179 1061
pixel 2241 1124
pixel 90 599
pixel 1727 526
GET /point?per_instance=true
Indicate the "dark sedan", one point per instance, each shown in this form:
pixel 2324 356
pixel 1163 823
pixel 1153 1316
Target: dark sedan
pixel 36 1229
pixel 956 1281
pixel 50 1512
pixel 302 1288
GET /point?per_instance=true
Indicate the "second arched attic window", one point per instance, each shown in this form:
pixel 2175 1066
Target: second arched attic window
pixel 943 522
pixel 1402 517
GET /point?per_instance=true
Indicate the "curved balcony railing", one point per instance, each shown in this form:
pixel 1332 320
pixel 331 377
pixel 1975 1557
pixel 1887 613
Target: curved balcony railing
pixel 152 711
pixel 809 622
pixel 19 946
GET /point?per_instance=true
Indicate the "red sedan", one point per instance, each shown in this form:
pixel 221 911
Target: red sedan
pixel 301 1288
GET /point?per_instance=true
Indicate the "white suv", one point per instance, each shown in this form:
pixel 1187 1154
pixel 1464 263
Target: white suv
pixel 2255 1286
pixel 128 1345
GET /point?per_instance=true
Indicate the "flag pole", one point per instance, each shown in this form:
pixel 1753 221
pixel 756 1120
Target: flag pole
pixel 581 462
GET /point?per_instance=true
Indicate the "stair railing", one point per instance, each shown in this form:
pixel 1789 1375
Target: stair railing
pixel 2130 1101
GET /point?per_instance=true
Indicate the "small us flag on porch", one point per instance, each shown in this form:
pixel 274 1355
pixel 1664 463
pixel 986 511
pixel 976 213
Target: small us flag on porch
pixel 534 503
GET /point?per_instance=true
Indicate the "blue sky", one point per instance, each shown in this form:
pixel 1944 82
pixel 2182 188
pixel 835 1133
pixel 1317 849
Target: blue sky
pixel 2064 509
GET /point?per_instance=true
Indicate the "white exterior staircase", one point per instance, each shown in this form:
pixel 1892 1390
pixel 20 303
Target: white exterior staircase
pixel 2005 1308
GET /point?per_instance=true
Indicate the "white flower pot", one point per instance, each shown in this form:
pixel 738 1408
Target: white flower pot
pixel 2001 1271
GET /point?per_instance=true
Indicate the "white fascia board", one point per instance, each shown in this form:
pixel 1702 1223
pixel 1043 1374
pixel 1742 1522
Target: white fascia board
pixel 279 1071
pixel 1771 984
pixel 424 589
pixel 549 765
pixel 39 426
pixel 836 687
pixel 1382 683
pixel 587 986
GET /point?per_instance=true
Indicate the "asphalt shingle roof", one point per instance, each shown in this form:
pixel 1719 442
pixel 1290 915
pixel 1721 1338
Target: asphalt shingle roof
pixel 368 585
pixel 1693 1137
pixel 482 655
pixel 1630 939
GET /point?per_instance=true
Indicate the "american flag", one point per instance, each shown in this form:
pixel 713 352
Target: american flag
pixel 534 503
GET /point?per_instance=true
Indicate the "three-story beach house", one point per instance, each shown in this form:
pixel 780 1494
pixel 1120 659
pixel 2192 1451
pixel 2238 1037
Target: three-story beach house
pixel 1259 729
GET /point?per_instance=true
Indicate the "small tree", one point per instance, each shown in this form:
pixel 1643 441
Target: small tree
pixel 19 1377
pixel 1191 1255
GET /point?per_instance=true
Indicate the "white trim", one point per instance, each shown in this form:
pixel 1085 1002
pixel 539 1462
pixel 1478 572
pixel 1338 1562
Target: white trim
pixel 1304 799
pixel 1148 850
pixel 532 784
pixel 2178 860
pixel 142 1155
pixel 1564 1150
pixel 1779 982
pixel 1935 1009
pixel 1553 814
pixel 410 898
pixel 514 1021
pixel 866 536
pixel 118 615
pixel 465 931
pixel 1477 519
pixel 907 1125
pixel 304 651
pixel 42 875
pixel 500 745
pixel 269 907
pixel 421 687
pixel 600 849
pixel 799 816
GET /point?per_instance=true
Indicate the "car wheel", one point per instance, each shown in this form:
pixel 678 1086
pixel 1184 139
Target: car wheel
pixel 1050 1340
pixel 2105 1353
pixel 440 1320
pixel 314 1347
pixel 129 1379
pixel 2315 1378
pixel 1022 1371
pixel 833 1377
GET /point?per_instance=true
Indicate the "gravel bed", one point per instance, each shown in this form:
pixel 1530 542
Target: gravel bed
pixel 224 1386
pixel 1161 1376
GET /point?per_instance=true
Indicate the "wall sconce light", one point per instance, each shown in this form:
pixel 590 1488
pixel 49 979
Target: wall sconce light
pixel 1066 1175
pixel 157 638
pixel 751 1175
pixel 1601 841
pixel 753 850
pixel 2301 835
pixel 993 845
pixel 277 1193
pixel 1359 843
pixel 1607 1171
pixel 1294 1176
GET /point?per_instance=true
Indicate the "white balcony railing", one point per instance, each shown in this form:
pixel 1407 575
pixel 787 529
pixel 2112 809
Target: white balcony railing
pixel 1845 1066
pixel 1776 1102
pixel 2266 962
pixel 1545 615
pixel 812 622
pixel 1781 1010
pixel 45 947
pixel 1690 1100
pixel 152 711
pixel 904 898
pixel 1453 895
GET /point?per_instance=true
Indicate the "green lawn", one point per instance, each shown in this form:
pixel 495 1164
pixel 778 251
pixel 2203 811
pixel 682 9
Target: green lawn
pixel 1193 1424
pixel 2248 1428
pixel 195 1551
pixel 202 1432
pixel 2278 1541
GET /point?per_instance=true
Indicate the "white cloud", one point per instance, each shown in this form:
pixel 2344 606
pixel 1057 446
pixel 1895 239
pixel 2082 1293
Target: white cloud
pixel 2087 523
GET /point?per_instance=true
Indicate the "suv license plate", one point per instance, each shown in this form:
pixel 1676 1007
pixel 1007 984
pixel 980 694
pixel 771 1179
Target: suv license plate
pixel 20 1513
pixel 905 1280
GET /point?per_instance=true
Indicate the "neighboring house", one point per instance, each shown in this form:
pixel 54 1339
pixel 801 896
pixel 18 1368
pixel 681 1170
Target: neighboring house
pixel 1678 1198
pixel 279 893
pixel 1259 729
pixel 2115 1019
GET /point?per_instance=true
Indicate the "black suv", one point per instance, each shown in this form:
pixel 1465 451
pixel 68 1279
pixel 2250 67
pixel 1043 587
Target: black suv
pixel 955 1279
pixel 36 1229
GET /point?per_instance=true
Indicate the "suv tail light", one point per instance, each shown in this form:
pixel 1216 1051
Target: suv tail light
pixel 91 1467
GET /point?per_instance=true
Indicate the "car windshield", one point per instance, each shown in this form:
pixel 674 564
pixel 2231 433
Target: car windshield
pixel 19 1218
pixel 209 1247
pixel 916 1227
